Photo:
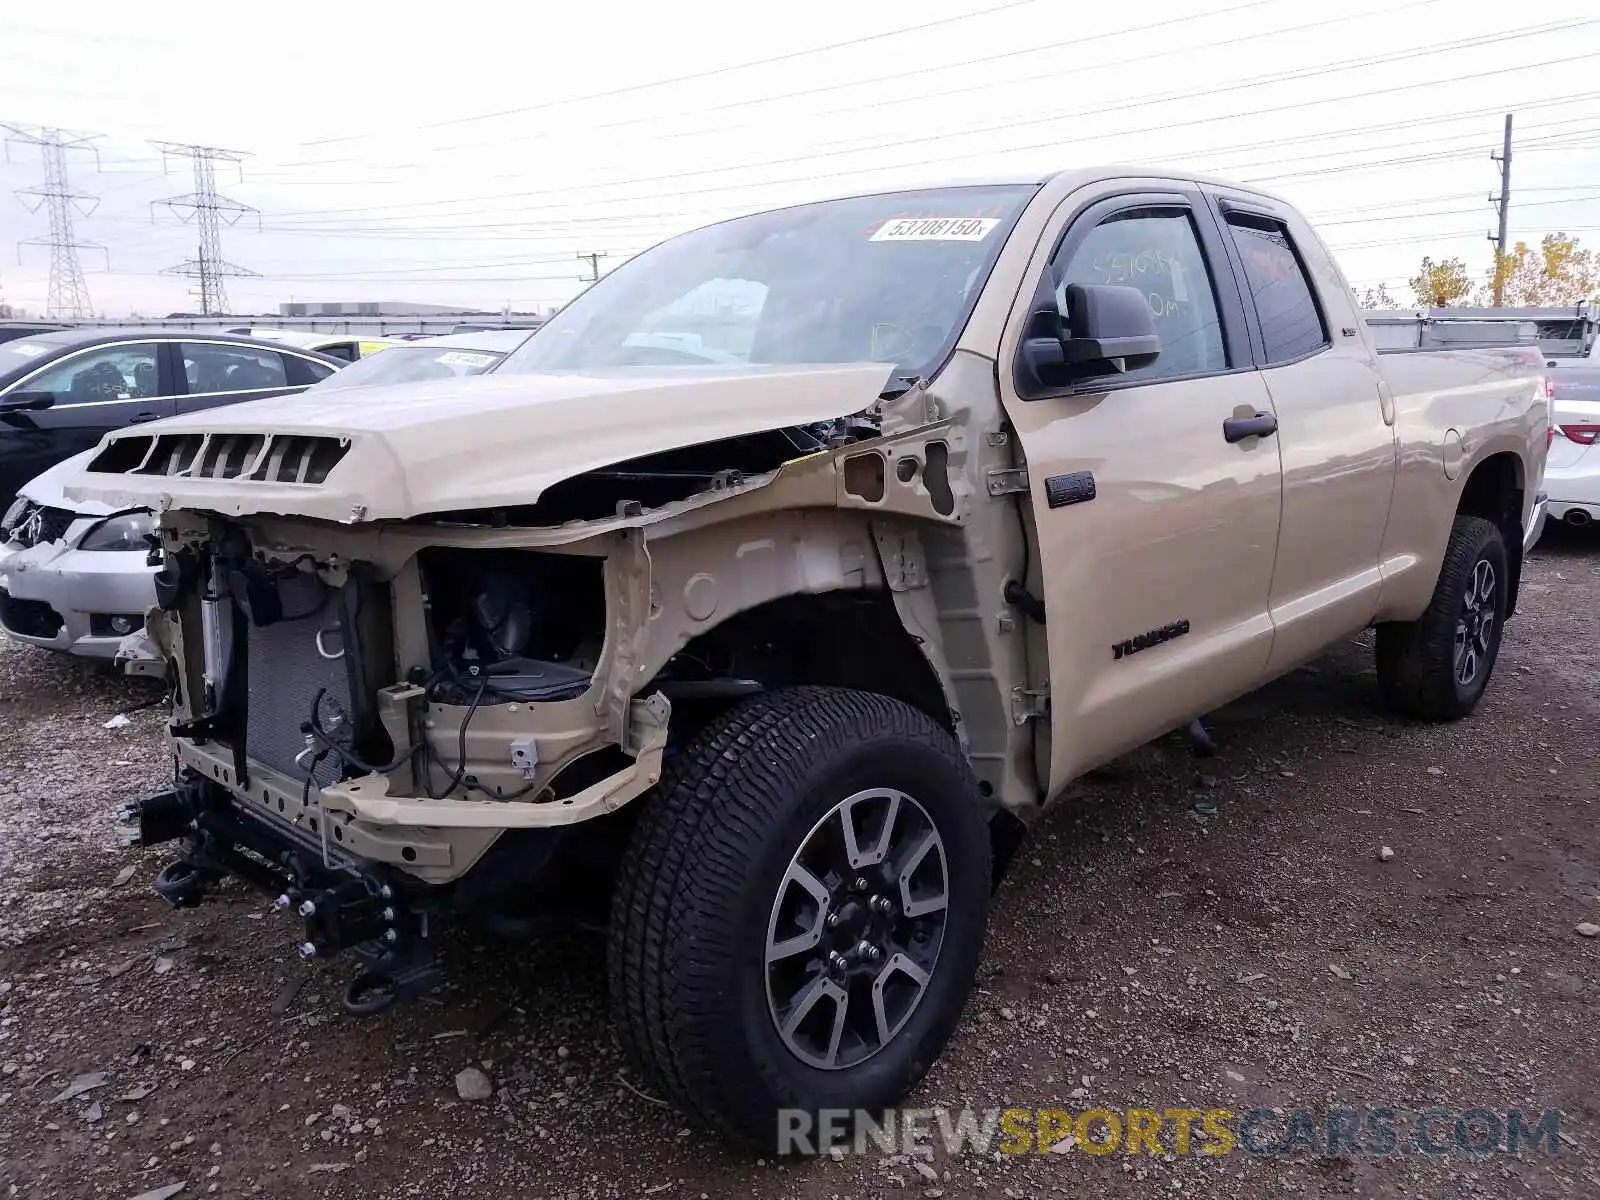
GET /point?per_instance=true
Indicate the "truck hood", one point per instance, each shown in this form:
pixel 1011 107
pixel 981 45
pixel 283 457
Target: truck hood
pixel 389 453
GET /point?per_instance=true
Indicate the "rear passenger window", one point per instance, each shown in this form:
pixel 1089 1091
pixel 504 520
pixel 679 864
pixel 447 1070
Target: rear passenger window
pixel 219 367
pixel 306 371
pixel 1291 322
pixel 1157 251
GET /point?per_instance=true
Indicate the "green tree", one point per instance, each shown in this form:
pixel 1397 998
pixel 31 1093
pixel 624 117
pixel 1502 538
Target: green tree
pixel 1441 284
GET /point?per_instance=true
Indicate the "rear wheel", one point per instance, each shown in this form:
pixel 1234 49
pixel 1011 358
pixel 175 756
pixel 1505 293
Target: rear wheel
pixel 800 913
pixel 1437 666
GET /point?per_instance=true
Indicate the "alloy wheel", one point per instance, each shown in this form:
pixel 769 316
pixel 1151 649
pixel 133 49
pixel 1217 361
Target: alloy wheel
pixel 855 928
pixel 1475 625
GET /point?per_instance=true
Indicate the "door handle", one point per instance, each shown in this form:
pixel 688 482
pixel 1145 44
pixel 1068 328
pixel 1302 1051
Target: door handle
pixel 1236 429
pixel 140 418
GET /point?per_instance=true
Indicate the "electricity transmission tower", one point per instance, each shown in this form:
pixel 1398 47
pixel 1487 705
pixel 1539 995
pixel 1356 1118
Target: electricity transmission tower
pixel 209 212
pixel 69 295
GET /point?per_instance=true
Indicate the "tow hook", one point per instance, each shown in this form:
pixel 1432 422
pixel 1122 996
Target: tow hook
pixel 183 884
pixel 365 917
pixel 161 817
pixel 390 979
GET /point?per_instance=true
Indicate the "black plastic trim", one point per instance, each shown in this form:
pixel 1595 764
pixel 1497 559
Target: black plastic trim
pixel 1221 206
pixel 1224 287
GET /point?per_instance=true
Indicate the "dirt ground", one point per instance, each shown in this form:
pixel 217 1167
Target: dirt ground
pixel 1142 954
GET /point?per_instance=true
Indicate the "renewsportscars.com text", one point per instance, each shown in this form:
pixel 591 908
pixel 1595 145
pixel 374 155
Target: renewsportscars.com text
pixel 1269 1132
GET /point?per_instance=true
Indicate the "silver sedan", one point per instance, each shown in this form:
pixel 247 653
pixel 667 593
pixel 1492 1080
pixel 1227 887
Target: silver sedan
pixel 73 576
pixel 76 576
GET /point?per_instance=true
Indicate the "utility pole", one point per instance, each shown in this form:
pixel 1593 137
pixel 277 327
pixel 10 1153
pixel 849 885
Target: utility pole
pixel 1504 204
pixel 209 212
pixel 593 258
pixel 69 294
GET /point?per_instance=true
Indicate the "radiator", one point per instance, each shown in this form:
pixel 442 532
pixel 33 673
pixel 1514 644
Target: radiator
pixel 285 668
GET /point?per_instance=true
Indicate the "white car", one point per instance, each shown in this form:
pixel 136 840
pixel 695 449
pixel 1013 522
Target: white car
pixel 76 577
pixel 1572 472
pixel 73 577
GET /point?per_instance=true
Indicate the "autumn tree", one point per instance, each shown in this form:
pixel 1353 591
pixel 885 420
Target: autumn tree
pixel 1557 273
pixel 1441 284
pixel 1379 297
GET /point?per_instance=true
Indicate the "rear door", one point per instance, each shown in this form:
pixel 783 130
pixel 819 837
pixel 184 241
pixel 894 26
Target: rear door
pixel 1335 427
pixel 89 392
pixel 216 373
pixel 1155 532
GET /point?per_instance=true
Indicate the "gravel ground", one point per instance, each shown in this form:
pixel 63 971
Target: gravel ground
pixel 1141 955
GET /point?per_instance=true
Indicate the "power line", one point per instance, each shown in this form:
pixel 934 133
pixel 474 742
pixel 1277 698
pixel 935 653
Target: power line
pixel 918 72
pixel 68 294
pixel 1450 234
pixel 989 152
pixel 1448 212
pixel 209 211
pixel 693 76
pixel 657 219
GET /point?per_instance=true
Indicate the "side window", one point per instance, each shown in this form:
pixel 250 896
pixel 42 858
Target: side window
pixel 344 350
pixel 110 373
pixel 213 367
pixel 305 371
pixel 1291 323
pixel 1157 251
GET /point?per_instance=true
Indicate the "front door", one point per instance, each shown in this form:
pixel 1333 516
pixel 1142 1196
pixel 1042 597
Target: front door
pixel 85 394
pixel 1157 587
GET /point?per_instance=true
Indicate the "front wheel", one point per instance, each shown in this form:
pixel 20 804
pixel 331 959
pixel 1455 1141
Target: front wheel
pixel 800 912
pixel 1437 666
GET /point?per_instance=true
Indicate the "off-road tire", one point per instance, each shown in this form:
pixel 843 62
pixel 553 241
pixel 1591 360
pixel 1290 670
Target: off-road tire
pixel 1416 659
pixel 689 919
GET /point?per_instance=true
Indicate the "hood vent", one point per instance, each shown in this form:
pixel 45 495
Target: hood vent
pixel 263 458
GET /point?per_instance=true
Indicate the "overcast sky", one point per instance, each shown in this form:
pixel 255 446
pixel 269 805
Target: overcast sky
pixel 468 156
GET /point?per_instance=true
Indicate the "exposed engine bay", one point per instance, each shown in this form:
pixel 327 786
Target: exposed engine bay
pixel 511 624
pixel 446 717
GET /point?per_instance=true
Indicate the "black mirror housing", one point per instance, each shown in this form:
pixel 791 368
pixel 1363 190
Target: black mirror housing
pixel 1110 329
pixel 27 401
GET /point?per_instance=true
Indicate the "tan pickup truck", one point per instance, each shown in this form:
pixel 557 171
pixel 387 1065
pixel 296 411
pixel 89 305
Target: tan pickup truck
pixel 758 601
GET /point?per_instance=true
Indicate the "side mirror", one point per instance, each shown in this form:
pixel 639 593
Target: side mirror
pixel 1110 329
pixel 26 401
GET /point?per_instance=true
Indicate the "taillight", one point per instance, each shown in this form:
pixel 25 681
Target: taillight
pixel 1549 388
pixel 1584 435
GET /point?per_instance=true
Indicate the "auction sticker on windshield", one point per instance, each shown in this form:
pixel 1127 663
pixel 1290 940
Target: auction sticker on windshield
pixel 935 229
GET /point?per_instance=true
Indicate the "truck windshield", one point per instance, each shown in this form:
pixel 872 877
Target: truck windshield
pixel 886 278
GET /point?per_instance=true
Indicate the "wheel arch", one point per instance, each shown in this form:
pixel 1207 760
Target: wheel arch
pixel 1495 489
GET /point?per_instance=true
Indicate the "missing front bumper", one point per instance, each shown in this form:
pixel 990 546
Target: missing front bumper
pixel 343 906
pixel 435 841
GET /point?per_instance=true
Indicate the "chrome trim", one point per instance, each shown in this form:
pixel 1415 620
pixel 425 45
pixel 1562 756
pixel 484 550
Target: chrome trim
pixel 168 339
pixel 262 392
pixel 78 353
